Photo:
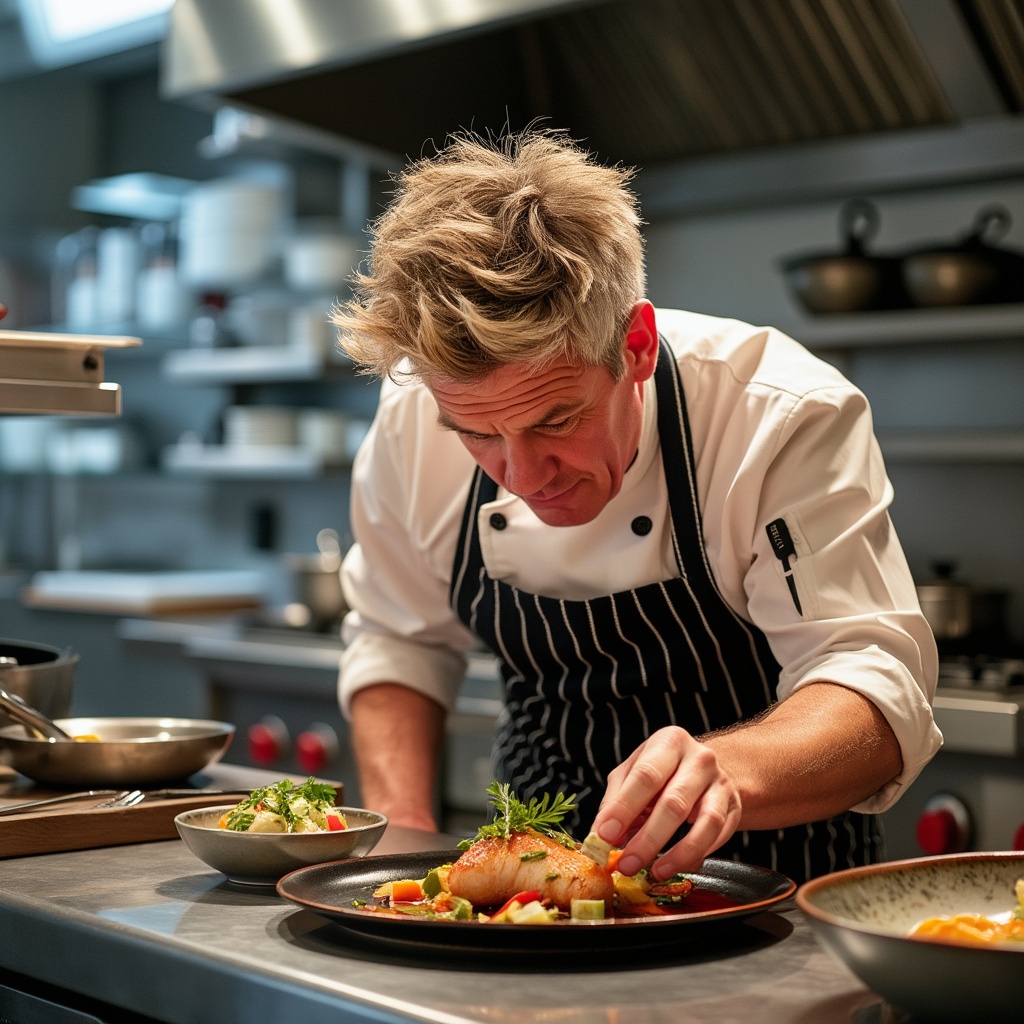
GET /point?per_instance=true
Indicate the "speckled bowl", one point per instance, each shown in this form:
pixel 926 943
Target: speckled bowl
pixel 862 917
pixel 261 858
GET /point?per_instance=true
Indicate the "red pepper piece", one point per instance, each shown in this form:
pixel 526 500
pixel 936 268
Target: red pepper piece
pixel 522 898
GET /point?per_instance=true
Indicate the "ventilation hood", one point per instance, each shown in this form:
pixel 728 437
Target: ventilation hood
pixel 645 82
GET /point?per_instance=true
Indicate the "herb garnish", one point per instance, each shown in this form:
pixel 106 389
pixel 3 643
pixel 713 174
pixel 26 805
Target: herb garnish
pixel 278 799
pixel 511 815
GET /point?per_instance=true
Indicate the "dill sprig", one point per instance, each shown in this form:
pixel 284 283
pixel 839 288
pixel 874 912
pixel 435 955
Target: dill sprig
pixel 511 815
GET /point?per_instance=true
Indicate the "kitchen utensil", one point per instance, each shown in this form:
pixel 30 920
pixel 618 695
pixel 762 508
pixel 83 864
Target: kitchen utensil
pixel 956 610
pixel 316 581
pixel 850 280
pixel 969 272
pixel 153 794
pixel 30 718
pixel 862 917
pixel 67 798
pixel 329 889
pixel 127 799
pixel 130 751
pixel 42 676
pixel 262 858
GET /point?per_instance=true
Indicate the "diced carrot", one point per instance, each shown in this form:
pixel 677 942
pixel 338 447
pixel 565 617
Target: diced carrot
pixel 613 861
pixel 406 891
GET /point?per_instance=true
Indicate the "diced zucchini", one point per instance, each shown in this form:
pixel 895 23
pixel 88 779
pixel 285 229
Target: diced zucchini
pixel 587 910
pixel 432 883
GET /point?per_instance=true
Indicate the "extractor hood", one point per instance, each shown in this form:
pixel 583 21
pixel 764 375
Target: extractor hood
pixel 640 81
pixel 57 374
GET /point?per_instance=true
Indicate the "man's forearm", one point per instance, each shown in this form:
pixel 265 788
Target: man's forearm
pixel 819 752
pixel 397 735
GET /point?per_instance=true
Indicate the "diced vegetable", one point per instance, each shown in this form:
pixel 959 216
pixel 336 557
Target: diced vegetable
pixel 504 913
pixel 596 848
pixel 406 890
pixel 533 912
pixel 434 882
pixel 335 822
pixel 587 910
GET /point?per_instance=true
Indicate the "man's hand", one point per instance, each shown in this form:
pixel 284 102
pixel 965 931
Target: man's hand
pixel 669 779
pixel 818 753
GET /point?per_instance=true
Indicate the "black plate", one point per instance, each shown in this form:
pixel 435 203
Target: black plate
pixel 329 889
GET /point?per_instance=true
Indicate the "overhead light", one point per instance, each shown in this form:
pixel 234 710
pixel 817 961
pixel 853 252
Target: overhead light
pixel 60 32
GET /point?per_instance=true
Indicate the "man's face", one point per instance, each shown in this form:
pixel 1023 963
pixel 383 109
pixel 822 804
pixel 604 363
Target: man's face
pixel 561 439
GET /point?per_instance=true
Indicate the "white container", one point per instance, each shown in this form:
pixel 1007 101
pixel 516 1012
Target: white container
pixel 310 329
pixel 163 303
pixel 319 261
pixel 117 267
pixel 325 433
pixel 231 232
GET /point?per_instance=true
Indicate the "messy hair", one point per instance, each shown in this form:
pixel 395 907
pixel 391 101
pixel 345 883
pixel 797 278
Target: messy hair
pixel 518 249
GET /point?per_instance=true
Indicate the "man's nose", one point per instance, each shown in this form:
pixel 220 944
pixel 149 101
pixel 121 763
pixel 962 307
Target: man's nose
pixel 527 467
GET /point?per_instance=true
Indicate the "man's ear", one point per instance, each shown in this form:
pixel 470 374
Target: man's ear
pixel 642 341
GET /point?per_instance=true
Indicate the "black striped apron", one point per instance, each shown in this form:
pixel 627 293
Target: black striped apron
pixel 587 681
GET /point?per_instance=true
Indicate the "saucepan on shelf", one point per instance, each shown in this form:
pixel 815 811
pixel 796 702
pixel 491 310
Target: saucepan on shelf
pixel 852 279
pixel 970 271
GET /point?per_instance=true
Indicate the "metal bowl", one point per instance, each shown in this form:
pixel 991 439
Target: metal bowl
pixel 130 751
pixel 261 858
pixel 862 917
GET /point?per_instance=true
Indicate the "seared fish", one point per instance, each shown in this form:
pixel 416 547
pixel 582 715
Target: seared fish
pixel 492 871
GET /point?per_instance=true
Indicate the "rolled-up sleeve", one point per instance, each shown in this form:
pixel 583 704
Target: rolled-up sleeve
pixel 859 623
pixel 400 627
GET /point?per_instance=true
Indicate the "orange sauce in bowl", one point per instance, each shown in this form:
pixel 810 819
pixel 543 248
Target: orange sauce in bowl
pixel 969 928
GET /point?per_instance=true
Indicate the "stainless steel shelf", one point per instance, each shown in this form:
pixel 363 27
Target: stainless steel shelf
pixel 913 327
pixel 963 446
pixel 250 365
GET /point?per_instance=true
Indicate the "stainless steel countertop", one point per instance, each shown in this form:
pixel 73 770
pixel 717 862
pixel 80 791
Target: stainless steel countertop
pixel 151 929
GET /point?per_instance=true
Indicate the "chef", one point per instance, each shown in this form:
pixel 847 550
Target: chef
pixel 671 530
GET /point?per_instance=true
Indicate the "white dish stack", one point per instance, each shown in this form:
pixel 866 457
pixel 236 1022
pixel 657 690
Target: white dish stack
pixel 231 231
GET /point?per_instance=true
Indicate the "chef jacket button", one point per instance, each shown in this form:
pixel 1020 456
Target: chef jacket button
pixel 498 521
pixel 641 526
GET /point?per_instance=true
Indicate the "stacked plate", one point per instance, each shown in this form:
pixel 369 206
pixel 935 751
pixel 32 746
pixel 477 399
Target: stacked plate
pixel 260 426
pixel 231 231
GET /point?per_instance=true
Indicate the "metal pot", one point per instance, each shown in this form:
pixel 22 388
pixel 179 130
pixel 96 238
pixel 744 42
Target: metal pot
pixel 316 582
pixel 41 676
pixel 956 610
pixel 850 280
pixel 969 272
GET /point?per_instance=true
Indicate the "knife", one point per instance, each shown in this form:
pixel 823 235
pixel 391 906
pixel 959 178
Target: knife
pixel 86 794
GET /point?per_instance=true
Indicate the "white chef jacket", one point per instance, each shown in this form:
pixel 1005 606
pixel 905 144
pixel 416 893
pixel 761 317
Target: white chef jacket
pixel 777 433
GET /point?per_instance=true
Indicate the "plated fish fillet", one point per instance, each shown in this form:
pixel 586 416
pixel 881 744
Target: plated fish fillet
pixel 493 870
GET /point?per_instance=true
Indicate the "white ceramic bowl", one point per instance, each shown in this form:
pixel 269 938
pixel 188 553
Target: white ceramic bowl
pixel 862 917
pixel 261 858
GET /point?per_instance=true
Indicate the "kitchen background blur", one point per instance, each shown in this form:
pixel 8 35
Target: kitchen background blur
pixel 202 180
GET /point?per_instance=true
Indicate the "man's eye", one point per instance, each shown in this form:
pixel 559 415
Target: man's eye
pixel 561 426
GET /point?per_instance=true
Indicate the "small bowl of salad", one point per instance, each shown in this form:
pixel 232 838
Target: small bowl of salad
pixel 277 829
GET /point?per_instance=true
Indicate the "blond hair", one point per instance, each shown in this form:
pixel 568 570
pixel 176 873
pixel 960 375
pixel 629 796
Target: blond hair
pixel 501 251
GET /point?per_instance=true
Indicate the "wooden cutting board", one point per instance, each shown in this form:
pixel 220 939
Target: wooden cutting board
pixel 82 826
